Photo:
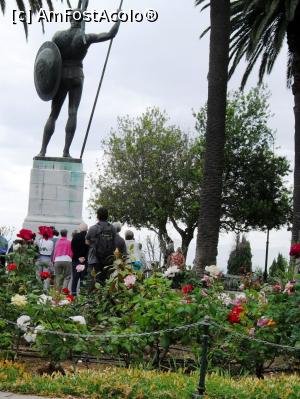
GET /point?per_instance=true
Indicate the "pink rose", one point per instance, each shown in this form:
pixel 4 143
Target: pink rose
pixel 289 287
pixel 130 280
pixel 80 268
pixel 207 280
pixel 263 321
pixel 277 287
pixel 240 299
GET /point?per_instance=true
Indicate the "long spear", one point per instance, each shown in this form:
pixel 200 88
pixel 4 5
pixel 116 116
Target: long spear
pixel 98 91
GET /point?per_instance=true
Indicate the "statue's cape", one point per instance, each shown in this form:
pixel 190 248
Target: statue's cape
pixel 47 71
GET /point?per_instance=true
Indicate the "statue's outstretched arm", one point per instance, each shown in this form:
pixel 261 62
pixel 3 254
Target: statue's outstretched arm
pixel 102 37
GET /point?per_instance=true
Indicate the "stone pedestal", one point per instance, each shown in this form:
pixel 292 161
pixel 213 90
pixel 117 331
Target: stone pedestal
pixel 56 194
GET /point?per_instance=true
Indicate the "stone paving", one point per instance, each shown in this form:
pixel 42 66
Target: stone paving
pixel 5 395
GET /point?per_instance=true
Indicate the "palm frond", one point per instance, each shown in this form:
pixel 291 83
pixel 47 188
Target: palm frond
pixel 290 7
pixel 50 5
pixel 205 32
pixel 258 32
pixel 34 5
pixel 2 5
pixel 22 8
pixel 289 71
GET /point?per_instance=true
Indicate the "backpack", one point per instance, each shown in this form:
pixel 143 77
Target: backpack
pixel 105 243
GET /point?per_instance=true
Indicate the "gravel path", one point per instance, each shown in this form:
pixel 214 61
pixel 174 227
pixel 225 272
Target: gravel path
pixel 5 395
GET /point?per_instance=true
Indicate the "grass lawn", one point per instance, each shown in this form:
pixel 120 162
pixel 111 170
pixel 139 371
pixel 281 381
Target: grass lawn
pixel 138 384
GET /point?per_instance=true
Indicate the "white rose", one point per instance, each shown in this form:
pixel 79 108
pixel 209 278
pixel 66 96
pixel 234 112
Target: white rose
pixel 171 271
pixel 78 319
pixel 213 271
pixel 225 298
pixel 29 337
pixel 63 302
pixel 43 299
pixel 23 322
pixel 19 300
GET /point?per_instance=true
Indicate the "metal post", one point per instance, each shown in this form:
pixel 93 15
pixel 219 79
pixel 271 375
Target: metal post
pixel 98 91
pixel 267 256
pixel 203 368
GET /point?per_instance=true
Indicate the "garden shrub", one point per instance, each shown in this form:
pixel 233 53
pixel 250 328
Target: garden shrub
pixel 133 307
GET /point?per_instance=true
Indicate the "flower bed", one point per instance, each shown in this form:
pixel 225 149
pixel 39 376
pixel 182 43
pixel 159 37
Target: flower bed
pixel 138 319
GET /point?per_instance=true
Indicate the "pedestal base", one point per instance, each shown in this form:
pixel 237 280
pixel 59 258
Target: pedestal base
pixel 56 194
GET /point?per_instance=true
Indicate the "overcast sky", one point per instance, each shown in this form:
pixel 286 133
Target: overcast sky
pixel 152 64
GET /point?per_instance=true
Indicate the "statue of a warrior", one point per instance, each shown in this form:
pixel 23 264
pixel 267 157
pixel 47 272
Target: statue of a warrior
pixel 59 71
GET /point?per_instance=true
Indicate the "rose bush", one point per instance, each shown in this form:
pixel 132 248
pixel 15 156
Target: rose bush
pixel 130 304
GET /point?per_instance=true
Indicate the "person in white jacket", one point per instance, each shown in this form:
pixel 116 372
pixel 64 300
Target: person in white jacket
pixel 133 250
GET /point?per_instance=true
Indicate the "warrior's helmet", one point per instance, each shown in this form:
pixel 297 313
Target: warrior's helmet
pixel 77 13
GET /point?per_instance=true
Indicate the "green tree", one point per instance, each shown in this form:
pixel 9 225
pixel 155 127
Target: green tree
pixel 278 267
pixel 259 29
pixel 150 176
pixel 211 189
pixel 34 5
pixel 254 195
pixel 240 259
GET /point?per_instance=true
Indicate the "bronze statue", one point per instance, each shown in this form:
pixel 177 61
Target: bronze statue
pixel 59 71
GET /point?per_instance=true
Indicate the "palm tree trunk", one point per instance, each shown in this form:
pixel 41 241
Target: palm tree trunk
pixel 211 191
pixel 296 92
pixel 293 39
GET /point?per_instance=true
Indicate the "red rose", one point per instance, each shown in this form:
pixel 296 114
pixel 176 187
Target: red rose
pixel 46 232
pixel 187 288
pixel 234 316
pixel 45 275
pixel 70 298
pixel 66 291
pixel 238 309
pixel 26 235
pixel 11 267
pixel 295 250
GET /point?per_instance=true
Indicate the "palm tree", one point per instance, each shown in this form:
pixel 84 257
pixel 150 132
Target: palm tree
pixel 34 5
pixel 211 190
pixel 259 30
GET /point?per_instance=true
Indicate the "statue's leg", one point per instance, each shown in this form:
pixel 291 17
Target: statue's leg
pixel 57 103
pixel 74 101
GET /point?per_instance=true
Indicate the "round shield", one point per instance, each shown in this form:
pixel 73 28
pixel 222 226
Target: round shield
pixel 47 71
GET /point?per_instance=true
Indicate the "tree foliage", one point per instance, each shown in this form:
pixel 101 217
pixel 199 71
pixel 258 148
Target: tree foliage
pixel 151 173
pixel 255 196
pixel 240 258
pixel 279 266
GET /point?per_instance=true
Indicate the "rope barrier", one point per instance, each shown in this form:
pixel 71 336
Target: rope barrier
pixel 186 327
pixel 109 336
pixel 250 338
